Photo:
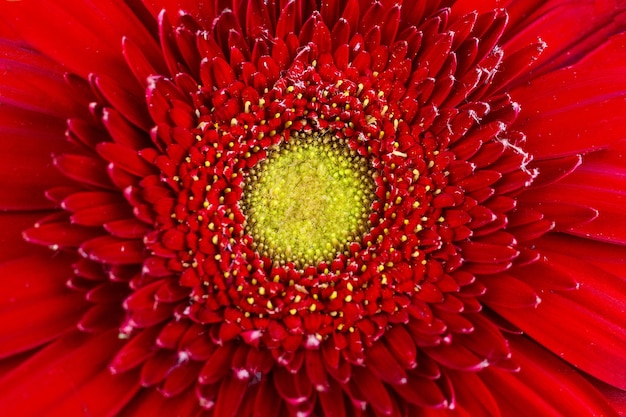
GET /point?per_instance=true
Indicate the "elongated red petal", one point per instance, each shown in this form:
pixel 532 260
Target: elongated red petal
pixel 588 335
pixel 55 366
pixel 597 83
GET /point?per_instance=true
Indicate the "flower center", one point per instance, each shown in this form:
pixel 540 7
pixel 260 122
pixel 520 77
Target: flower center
pixel 308 200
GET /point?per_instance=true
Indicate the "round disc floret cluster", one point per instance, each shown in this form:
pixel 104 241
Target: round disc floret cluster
pixel 308 200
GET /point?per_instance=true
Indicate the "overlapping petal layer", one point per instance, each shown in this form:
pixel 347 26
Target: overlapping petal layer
pixel 491 282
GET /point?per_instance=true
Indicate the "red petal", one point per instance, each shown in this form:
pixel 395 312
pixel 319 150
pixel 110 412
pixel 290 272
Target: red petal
pixel 99 215
pixel 122 131
pixel 140 65
pixel 608 257
pixel 34 288
pixel 551 171
pixel 60 235
pixel 595 94
pixel 33 82
pixel 545 386
pixel 151 403
pixel 229 396
pixel 456 356
pixel 373 390
pixel 125 158
pixel 507 291
pixel 487 253
pixel 382 363
pixel 99 318
pixel 54 367
pixel 267 399
pixel 12 244
pixel 171 334
pixel 571 29
pixel 597 185
pixel 616 397
pixel 203 12
pixel 400 343
pixel 218 365
pixel 158 367
pixel 566 216
pixel 87 397
pixel 84 200
pixel 293 388
pixel 315 370
pixel 87 170
pixel 517 64
pixel 114 251
pixel 422 391
pixel 130 103
pixel 127 228
pixel 473 395
pixel 546 274
pixel 181 378
pixel 332 401
pixel 136 351
pixel 485 340
pixel 585 326
pixel 25 155
pixel 85 38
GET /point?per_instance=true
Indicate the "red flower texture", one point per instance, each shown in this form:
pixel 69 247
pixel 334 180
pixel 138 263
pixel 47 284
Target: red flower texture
pixel 301 208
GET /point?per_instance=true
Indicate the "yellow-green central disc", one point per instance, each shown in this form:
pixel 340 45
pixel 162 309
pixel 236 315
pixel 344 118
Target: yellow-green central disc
pixel 308 200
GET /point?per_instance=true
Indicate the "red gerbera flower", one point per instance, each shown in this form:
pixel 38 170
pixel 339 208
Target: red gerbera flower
pixel 301 208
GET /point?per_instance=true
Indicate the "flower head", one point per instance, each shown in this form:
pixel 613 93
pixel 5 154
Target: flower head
pixel 300 209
